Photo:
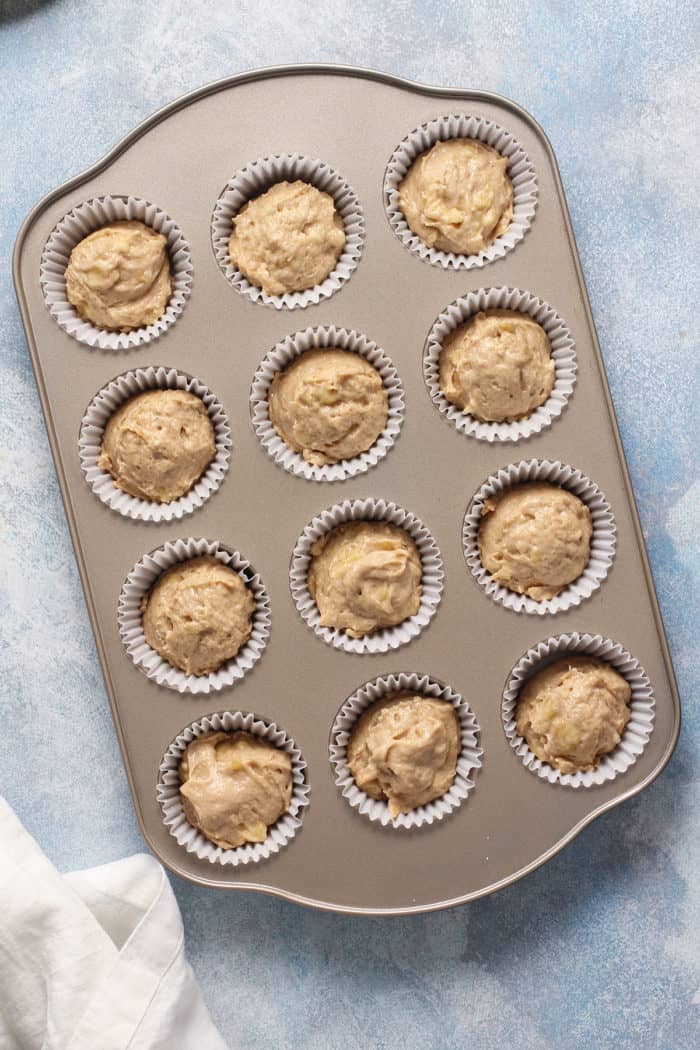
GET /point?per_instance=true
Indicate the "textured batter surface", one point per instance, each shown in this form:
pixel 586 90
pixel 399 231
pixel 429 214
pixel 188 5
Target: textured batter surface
pixel 158 444
pixel 364 576
pixel 119 276
pixel 573 712
pixel 457 196
pixel 608 955
pixel 234 787
pixel 404 749
pixel 198 615
pixel 287 239
pixel 329 405
pixel 497 366
pixel 535 539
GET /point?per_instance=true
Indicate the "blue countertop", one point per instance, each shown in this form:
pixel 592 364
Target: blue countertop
pixel 600 947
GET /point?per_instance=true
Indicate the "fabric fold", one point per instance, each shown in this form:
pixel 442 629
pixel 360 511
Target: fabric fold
pixel 95 958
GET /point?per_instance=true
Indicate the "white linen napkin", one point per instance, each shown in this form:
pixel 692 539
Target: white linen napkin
pixel 93 960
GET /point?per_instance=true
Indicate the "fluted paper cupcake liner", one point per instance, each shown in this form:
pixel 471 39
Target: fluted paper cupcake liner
pixel 140 581
pixel 603 538
pixel 431 582
pixel 520 170
pixel 258 177
pixel 636 733
pixel 562 352
pixel 92 428
pixel 74 227
pixel 280 357
pixel 468 763
pixel 168 791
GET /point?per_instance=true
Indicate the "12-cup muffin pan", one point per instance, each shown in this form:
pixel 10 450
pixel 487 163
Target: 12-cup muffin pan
pixel 354 132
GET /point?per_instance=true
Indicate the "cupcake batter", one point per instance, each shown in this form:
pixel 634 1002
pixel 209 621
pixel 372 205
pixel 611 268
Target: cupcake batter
pixel 234 786
pixel 535 539
pixel 573 712
pixel 364 576
pixel 404 749
pixel 287 239
pixel 158 444
pixel 457 196
pixel 497 366
pixel 118 277
pixel 329 405
pixel 198 615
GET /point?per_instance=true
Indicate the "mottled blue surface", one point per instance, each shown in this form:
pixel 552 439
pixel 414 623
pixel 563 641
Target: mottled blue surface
pixel 600 947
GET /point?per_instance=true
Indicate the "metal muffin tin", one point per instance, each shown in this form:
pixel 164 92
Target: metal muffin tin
pixel 179 159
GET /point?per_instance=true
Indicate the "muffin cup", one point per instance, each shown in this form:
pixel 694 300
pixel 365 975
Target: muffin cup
pixel 92 428
pixel 520 170
pixel 168 791
pixel 563 356
pixel 280 357
pixel 140 581
pixel 431 581
pixel 468 762
pixel 636 733
pixel 74 227
pixel 603 538
pixel 258 177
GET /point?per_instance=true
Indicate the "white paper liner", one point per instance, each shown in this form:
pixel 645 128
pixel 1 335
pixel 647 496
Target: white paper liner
pixel 603 538
pixel 168 791
pixel 76 225
pixel 431 581
pixel 468 762
pixel 521 172
pixel 637 730
pixel 562 352
pixel 258 177
pixel 280 357
pixel 96 417
pixel 140 581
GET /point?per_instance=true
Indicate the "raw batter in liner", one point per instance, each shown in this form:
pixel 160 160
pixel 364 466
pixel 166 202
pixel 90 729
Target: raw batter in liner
pixel 198 615
pixel 158 444
pixel 287 239
pixel 457 196
pixel 234 786
pixel 364 576
pixel 535 538
pixel 497 366
pixel 118 277
pixel 329 405
pixel 573 712
pixel 404 749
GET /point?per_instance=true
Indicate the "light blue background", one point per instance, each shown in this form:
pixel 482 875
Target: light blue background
pixel 600 947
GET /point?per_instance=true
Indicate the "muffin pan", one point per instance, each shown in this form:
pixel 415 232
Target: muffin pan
pixel 179 163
